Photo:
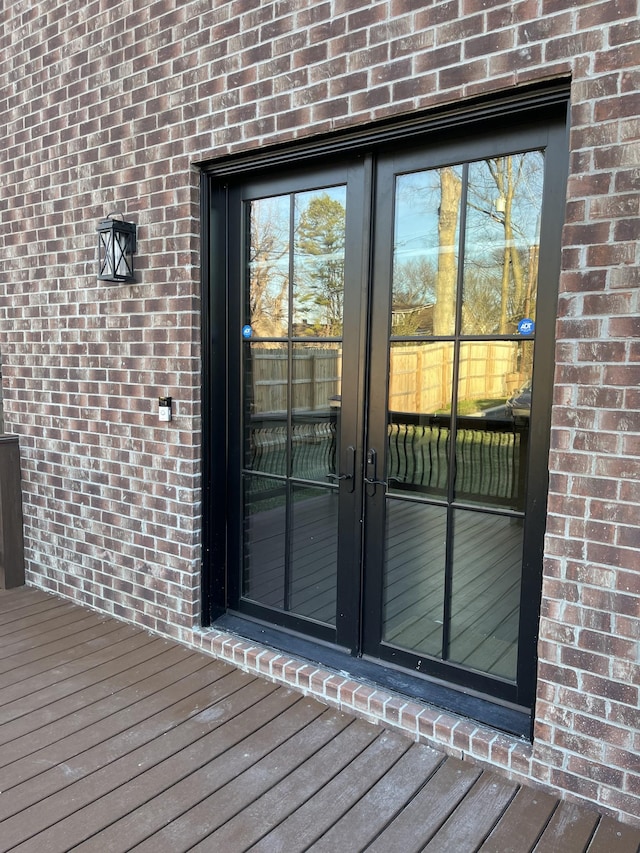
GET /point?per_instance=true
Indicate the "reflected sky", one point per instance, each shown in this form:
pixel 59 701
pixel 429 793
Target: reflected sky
pixel 502 218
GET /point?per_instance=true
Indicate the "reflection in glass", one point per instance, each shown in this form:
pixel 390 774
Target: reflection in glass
pixel 264 540
pixel 502 240
pixel 301 578
pixel 492 427
pixel 425 253
pixel 318 286
pixel 414 570
pixel 315 389
pixel 292 401
pixel 485 602
pixel 265 407
pixel 314 550
pixel 490 374
pixel 420 387
pixel 267 308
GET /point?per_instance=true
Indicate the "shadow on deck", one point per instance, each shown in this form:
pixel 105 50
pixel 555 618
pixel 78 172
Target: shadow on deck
pixel 112 739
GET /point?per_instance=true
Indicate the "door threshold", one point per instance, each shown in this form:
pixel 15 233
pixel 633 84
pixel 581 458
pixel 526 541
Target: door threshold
pixel 380 675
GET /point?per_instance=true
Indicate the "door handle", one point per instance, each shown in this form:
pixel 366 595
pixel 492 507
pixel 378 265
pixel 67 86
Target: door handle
pixel 372 469
pixel 350 474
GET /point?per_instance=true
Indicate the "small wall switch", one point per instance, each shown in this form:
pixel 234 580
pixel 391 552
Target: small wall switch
pixel 164 409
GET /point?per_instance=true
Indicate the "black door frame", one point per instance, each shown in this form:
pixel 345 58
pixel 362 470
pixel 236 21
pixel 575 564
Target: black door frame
pixel 536 105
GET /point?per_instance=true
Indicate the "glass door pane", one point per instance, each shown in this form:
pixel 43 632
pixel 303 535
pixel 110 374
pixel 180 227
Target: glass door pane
pixel 291 402
pixel 485 592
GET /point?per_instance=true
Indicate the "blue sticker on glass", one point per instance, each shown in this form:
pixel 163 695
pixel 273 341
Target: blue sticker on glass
pixel 526 326
pixel 246 331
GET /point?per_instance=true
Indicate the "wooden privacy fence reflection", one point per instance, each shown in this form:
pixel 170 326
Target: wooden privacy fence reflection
pixel 419 375
pixel 490 454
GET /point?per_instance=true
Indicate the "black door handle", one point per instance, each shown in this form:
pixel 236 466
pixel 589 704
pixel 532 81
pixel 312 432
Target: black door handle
pixel 350 474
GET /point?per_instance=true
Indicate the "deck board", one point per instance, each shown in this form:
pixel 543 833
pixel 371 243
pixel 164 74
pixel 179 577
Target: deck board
pixel 44 687
pixel 197 825
pixel 570 828
pixel 133 777
pixel 102 714
pixel 133 742
pixel 232 749
pixel 311 821
pixel 530 811
pixel 382 802
pixel 46 663
pixel 42 801
pixel 613 837
pixel 475 817
pixel 297 788
pixel 427 811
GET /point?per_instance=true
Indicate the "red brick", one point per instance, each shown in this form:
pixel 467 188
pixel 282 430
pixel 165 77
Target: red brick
pixel 608 689
pixel 625 33
pixel 462 74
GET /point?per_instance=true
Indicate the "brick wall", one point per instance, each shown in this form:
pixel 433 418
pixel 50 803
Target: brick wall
pixel 107 105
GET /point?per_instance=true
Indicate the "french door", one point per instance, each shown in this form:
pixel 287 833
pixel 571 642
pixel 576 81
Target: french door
pixel 389 322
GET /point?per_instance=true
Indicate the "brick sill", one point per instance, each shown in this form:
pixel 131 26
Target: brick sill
pixel 454 734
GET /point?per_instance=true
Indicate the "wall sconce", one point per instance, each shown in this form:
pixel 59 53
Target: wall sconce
pixel 116 247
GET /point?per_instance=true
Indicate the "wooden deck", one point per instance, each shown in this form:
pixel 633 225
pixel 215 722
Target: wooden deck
pixel 114 740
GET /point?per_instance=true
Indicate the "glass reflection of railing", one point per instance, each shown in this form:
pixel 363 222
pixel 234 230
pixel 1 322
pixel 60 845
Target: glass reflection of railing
pixel 313 447
pixel 490 457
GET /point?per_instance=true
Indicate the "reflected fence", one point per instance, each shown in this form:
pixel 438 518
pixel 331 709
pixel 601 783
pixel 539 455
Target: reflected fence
pixel 490 452
pixel 419 375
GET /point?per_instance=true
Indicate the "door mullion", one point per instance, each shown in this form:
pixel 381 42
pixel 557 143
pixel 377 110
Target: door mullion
pixel 364 366
pixel 352 415
pixel 376 369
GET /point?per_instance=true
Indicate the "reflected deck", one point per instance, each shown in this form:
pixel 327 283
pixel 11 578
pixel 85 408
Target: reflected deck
pixel 485 584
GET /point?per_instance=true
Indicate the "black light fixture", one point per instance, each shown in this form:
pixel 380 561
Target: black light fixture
pixel 116 248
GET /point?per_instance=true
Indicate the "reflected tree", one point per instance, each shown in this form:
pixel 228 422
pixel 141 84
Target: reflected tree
pixel 320 244
pixel 414 283
pixel 507 181
pixel 504 204
pixel 446 278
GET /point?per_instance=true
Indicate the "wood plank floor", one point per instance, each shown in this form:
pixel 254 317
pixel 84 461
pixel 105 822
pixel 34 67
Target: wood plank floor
pixel 114 740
